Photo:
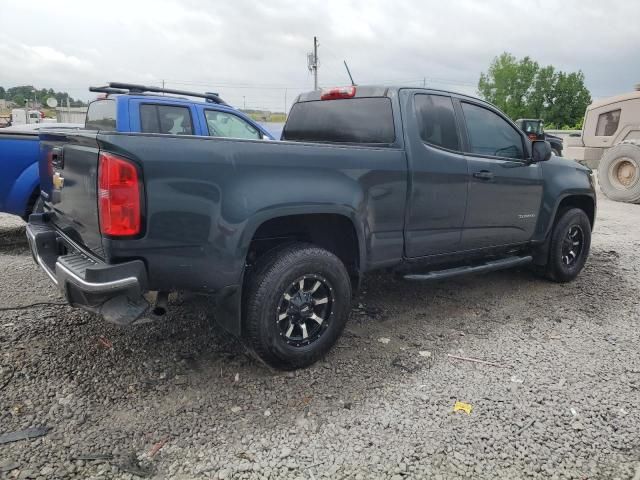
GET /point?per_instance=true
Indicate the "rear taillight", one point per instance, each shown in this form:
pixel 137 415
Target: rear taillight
pixel 118 196
pixel 338 92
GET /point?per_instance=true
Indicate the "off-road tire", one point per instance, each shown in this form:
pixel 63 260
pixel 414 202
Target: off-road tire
pixel 619 172
pixel 265 288
pixel 556 152
pixel 556 269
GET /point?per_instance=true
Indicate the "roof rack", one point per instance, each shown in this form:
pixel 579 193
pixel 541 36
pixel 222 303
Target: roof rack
pixel 127 88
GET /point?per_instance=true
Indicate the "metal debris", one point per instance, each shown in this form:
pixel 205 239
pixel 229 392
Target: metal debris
pixel 25 434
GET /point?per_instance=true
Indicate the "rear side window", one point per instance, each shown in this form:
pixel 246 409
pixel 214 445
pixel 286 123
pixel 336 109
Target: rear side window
pixel 490 134
pixel 354 120
pixel 165 119
pixel 608 123
pixel 436 121
pixel 101 115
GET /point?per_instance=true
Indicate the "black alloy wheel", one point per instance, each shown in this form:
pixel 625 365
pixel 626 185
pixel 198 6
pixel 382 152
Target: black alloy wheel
pixel 305 310
pixel 572 245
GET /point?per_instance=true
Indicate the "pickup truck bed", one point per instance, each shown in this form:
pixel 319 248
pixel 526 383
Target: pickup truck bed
pixel 281 233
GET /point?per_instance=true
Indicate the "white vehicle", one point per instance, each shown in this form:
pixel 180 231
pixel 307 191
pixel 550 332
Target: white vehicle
pixel 22 116
pixel 610 142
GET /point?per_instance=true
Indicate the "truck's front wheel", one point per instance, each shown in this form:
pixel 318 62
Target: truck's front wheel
pixel 569 247
pixel 296 304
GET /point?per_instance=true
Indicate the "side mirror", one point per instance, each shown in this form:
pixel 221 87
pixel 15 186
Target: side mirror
pixel 540 151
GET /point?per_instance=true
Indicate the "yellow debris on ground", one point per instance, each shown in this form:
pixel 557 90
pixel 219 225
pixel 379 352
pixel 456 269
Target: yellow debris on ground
pixel 462 407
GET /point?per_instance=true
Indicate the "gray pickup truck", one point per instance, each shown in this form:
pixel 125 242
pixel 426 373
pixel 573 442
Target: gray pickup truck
pixel 424 183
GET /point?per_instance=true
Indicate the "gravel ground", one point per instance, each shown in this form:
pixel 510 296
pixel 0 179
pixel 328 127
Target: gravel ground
pixel 179 399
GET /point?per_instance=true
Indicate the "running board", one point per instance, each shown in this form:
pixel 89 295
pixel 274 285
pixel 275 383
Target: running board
pixel 508 262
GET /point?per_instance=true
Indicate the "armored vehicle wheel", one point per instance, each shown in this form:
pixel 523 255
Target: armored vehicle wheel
pixel 619 173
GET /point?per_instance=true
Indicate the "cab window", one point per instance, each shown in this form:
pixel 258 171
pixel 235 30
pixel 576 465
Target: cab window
pixel 101 115
pixel 223 124
pixel 490 134
pixel 608 123
pixel 436 121
pixel 166 119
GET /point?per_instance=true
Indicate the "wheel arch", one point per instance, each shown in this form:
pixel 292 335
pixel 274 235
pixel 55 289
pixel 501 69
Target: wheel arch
pixel 334 228
pixel 583 201
pixel 229 301
pixel 24 187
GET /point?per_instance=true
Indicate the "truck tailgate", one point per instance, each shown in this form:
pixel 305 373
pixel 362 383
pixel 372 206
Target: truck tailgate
pixel 68 181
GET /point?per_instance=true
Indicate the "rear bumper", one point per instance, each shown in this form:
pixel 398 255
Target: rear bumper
pixel 113 291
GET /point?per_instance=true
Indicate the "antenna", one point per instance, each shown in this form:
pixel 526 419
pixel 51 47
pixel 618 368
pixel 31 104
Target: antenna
pixel 349 73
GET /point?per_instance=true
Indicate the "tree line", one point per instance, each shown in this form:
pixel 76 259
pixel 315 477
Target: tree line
pixel 522 88
pixel 22 93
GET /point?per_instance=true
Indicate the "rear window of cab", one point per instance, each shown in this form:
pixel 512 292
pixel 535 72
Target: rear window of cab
pixel 366 120
pixel 101 115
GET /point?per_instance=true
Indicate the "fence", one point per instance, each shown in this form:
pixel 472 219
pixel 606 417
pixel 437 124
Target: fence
pixel 71 114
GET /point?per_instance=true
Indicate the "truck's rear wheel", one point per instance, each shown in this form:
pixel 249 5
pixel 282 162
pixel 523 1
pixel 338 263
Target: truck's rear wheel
pixel 569 247
pixel 619 173
pixel 296 305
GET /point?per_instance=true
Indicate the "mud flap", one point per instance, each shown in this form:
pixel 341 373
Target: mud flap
pixel 228 312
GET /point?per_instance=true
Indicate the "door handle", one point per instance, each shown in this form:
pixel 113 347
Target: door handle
pixel 483 175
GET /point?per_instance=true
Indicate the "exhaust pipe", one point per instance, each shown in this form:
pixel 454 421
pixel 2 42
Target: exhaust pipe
pixel 160 307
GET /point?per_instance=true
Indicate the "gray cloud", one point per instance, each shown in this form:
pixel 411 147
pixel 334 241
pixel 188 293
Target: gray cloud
pixel 251 51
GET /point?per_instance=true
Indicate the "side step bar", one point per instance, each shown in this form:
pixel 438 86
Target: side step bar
pixel 500 264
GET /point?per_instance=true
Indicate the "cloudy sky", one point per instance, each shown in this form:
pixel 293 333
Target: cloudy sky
pixel 254 53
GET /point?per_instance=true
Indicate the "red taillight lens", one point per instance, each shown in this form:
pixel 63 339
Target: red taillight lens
pixel 118 196
pixel 338 92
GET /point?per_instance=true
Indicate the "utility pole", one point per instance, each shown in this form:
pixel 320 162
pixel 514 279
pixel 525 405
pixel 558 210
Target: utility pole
pixel 285 102
pixel 315 64
pixel 312 60
pixel 244 101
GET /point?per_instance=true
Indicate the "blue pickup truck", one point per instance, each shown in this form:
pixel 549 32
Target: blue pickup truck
pixel 143 110
pixel 20 182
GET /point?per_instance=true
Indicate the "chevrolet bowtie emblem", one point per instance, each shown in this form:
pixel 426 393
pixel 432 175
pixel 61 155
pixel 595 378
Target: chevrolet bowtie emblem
pixel 58 180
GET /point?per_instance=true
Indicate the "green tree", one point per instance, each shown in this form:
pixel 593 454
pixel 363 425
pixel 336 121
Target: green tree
pixel 18 99
pixel 522 88
pixel 26 92
pixel 570 100
pixel 2 92
pixel 541 94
